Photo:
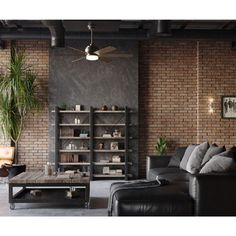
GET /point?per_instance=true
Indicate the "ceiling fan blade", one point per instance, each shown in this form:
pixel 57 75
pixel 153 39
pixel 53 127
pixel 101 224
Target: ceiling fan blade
pixel 105 50
pixel 81 58
pixel 76 49
pixel 104 59
pixel 118 55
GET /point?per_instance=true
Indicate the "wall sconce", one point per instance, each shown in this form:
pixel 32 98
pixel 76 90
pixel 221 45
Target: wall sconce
pixel 210 105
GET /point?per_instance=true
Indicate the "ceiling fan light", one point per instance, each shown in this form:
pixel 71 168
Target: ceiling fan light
pixel 92 57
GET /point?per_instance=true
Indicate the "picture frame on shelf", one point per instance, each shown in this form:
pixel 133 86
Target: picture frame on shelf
pixel 114 146
pixel 228 107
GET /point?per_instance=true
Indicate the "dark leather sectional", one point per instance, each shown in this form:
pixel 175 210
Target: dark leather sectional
pixel 185 195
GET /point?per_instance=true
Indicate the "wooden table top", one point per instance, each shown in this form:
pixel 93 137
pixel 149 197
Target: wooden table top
pixel 38 177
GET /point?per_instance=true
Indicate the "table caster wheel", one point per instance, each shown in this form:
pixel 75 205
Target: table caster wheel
pixel 12 206
pixel 87 205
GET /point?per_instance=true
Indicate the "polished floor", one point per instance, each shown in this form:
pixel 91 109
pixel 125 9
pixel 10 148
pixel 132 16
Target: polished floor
pixel 99 192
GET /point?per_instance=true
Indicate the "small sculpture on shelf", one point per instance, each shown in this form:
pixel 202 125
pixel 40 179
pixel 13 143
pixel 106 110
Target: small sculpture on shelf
pixel 114 108
pixel 116 159
pixel 83 147
pixel 101 146
pixel 114 146
pixel 104 108
pixel 117 134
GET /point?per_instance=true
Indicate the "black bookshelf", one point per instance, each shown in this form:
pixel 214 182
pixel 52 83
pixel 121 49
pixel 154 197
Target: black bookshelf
pixel 92 153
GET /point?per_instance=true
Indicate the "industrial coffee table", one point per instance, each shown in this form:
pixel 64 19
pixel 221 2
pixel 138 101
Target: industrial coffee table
pixel 51 189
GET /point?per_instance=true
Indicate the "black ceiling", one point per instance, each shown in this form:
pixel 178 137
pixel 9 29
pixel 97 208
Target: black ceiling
pixel 121 29
pixel 116 25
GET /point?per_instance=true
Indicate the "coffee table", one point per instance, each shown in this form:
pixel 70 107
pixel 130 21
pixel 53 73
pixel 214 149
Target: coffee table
pixel 52 189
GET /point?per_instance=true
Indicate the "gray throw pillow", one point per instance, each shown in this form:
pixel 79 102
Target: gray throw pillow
pixel 196 157
pixel 212 151
pixel 177 157
pixel 186 156
pixel 222 162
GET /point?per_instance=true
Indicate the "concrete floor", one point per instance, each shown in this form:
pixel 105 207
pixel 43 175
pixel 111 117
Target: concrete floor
pixel 99 192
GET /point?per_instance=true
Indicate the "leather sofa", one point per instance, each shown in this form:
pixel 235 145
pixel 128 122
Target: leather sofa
pixel 186 194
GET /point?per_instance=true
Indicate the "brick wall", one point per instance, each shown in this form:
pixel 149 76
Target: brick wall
pixel 176 80
pixel 33 145
pixel 217 77
pixel 5 55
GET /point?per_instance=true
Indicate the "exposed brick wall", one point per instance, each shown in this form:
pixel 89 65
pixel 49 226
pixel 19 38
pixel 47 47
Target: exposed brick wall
pixel 33 145
pixel 217 77
pixel 176 80
pixel 5 55
pixel 168 101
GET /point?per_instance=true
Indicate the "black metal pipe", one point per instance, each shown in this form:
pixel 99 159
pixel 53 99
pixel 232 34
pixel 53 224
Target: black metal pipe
pixel 57 32
pixel 44 34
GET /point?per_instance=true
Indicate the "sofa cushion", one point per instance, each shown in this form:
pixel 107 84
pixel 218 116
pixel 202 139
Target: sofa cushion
pixel 166 200
pixel 170 174
pixel 196 157
pixel 222 162
pixel 177 157
pixel 212 151
pixel 188 152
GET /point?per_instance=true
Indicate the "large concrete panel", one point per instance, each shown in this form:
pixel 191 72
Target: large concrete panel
pixel 94 83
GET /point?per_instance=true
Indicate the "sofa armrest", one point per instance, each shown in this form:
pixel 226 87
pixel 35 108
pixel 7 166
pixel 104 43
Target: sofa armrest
pixel 215 194
pixel 156 162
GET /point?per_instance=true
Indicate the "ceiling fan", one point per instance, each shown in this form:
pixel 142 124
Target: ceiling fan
pixel 93 53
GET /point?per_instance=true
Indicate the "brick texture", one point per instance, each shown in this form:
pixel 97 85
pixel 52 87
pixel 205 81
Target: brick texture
pixel 33 145
pixel 176 81
pixel 5 55
pixel 217 77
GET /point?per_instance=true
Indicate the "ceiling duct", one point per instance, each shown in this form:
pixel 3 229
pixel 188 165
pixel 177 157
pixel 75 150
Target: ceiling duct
pixel 160 28
pixel 163 27
pixel 57 32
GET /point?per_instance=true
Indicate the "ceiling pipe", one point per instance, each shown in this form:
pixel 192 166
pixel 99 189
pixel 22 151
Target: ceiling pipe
pixel 57 32
pixel 160 28
pixel 163 27
pixel 176 34
pixel 44 34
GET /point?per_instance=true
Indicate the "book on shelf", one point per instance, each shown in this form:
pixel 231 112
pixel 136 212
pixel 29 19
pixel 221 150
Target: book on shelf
pixel 66 132
pixel 69 158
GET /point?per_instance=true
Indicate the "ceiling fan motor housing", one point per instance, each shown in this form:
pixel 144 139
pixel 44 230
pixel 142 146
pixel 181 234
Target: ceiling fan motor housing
pixel 91 49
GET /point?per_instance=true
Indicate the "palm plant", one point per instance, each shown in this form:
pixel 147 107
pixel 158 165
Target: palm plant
pixel 17 97
pixel 161 146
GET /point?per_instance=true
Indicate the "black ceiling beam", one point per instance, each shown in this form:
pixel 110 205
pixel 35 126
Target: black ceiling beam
pixel 43 33
pixel 229 35
pixel 183 26
pixel 225 25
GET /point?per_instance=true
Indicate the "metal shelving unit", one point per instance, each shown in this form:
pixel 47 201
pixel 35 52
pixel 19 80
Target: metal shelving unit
pixel 92 152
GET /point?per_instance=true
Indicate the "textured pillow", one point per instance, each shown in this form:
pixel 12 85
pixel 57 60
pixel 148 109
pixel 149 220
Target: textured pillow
pixel 186 156
pixel 196 157
pixel 177 157
pixel 212 151
pixel 222 162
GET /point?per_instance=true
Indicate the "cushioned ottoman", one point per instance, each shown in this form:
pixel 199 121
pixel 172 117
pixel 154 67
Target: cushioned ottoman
pixel 166 200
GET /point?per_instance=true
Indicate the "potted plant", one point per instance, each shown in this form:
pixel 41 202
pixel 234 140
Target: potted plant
pixel 161 146
pixel 17 97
